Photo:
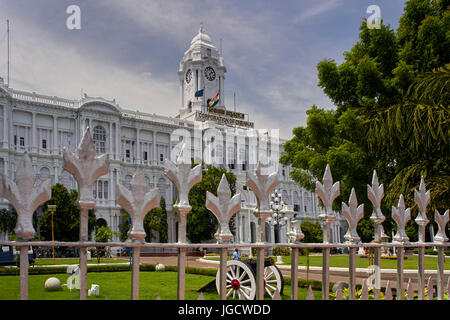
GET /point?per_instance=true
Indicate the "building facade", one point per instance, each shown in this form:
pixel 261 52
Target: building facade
pixel 43 125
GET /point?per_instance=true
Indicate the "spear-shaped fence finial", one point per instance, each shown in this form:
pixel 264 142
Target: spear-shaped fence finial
pixel 24 196
pixel 184 178
pixel 401 216
pixel 223 207
pixel 375 193
pixel 262 185
pixel 422 198
pixel 327 191
pixel 137 202
pixel 352 213
pixel 441 220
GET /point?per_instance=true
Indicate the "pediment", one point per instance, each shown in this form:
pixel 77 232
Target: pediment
pixel 101 105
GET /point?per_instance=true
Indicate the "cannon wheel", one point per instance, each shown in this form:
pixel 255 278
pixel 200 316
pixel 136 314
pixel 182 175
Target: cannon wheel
pixel 240 280
pixel 273 279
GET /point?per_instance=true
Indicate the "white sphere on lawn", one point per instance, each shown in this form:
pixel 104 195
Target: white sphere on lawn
pixel 52 284
pixel 160 267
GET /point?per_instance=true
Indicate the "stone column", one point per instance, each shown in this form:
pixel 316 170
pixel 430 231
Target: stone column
pixel 55 135
pixel 111 154
pixel 117 141
pixel 155 156
pixel 34 142
pixel 138 147
pixel 5 128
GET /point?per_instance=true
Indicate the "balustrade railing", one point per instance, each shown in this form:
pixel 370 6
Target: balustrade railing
pixel 86 167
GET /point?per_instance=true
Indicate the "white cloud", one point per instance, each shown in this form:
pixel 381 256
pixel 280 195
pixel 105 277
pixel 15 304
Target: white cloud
pixel 319 7
pixel 45 65
pixel 272 78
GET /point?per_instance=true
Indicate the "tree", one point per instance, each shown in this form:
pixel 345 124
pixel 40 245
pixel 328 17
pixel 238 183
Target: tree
pixel 124 225
pixel 415 134
pixel 66 219
pixel 380 92
pixel 103 234
pixel 201 223
pixel 7 221
pixel 156 220
pixel 312 232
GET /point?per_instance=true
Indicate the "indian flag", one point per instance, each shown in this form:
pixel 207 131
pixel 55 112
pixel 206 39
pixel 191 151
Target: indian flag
pixel 214 100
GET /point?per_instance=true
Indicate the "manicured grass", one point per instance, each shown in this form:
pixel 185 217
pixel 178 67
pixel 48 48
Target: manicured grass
pixel 117 286
pixel 342 261
pixel 58 261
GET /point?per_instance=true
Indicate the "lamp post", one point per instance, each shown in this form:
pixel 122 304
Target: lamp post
pixel 52 208
pixel 277 218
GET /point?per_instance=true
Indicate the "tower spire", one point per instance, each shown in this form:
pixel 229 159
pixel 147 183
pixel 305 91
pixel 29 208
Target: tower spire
pixel 201 27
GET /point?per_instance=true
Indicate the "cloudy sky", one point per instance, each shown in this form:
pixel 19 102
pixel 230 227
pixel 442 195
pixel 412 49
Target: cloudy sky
pixel 130 50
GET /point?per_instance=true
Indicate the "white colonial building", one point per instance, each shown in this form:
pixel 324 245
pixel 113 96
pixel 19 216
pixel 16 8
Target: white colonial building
pixel 44 125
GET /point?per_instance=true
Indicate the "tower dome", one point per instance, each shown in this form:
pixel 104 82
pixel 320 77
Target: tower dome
pixel 202 38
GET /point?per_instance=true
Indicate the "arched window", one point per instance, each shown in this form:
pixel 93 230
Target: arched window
pixel 66 179
pixel 101 223
pixel 307 202
pixel 296 201
pixel 127 182
pixel 44 174
pixel 100 139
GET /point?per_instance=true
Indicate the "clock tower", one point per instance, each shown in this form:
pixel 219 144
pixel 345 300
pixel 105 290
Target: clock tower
pixel 201 75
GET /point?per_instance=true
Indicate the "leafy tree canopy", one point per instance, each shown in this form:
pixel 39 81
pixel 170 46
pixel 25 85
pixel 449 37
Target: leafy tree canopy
pixel 201 223
pixel 392 114
pixel 66 219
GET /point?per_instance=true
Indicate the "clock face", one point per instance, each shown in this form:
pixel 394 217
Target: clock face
pixel 188 76
pixel 210 74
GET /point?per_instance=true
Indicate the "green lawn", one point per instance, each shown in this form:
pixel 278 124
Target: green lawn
pixel 117 286
pixel 49 261
pixel 342 261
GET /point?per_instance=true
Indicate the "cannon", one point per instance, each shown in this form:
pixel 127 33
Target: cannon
pixel 241 279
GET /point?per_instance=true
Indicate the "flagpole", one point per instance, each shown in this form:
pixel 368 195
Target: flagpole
pixel 9 50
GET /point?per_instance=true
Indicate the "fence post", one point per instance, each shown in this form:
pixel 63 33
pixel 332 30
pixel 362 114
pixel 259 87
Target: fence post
pixel 24 265
pixel 182 251
pixel 184 178
pixel 422 198
pixel 441 237
pixel 260 274
pixel 352 213
pixel 137 202
pixel 25 198
pixel 86 167
pixel 85 206
pixel 400 264
pixel 295 234
pixel 135 274
pixel 327 193
pixel 262 183
pixel 401 216
pixel 294 273
pixel 352 276
pixel 223 273
pixel 375 194
pixel 223 207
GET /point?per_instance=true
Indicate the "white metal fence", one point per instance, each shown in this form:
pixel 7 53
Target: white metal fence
pixel 86 168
